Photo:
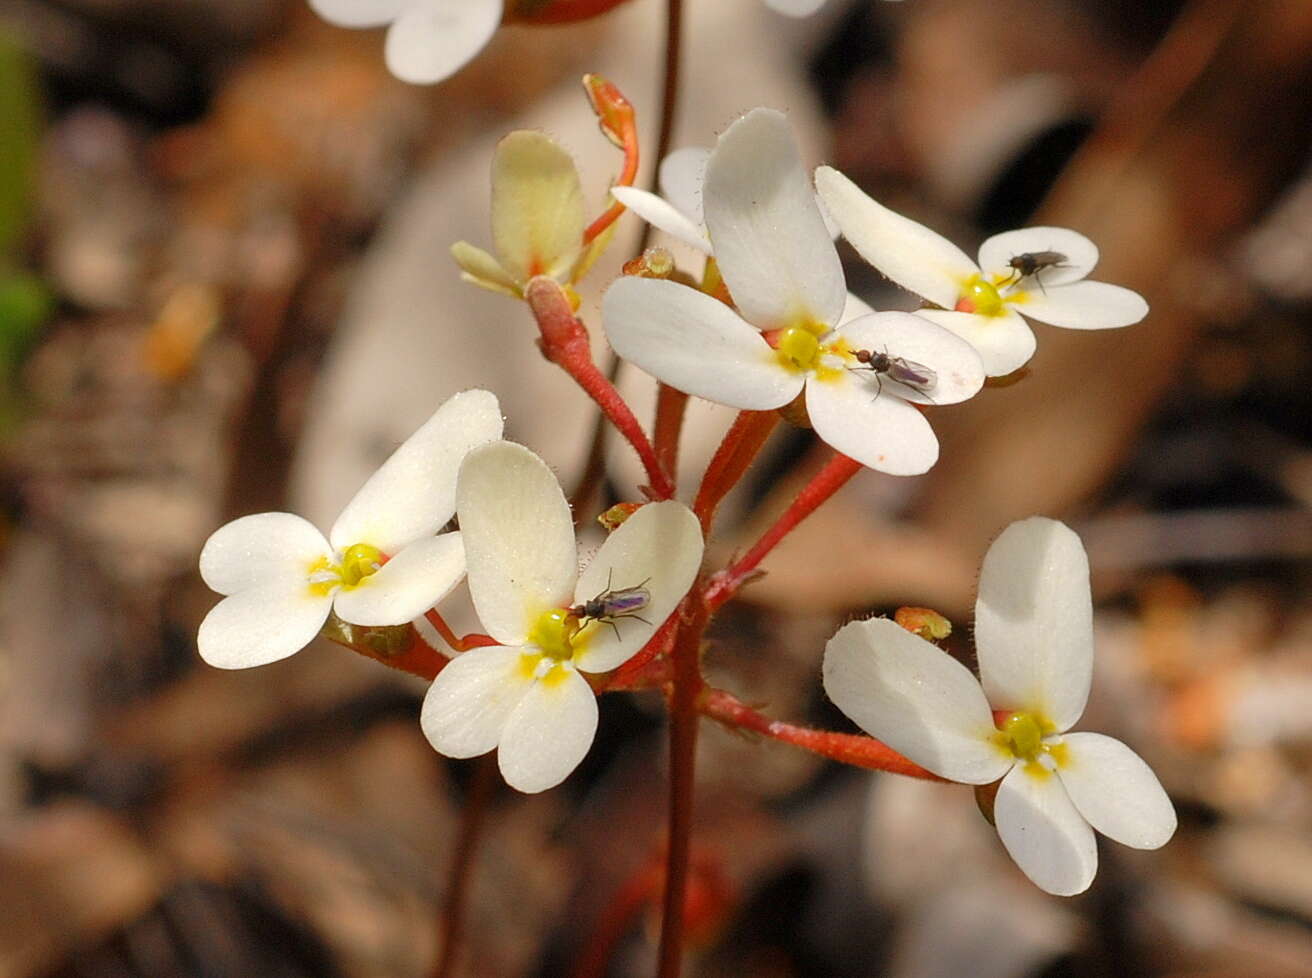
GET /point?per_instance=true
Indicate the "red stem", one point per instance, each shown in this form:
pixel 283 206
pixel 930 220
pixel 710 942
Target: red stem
pixel 855 749
pixel 471 641
pixel 420 659
pixel 670 407
pixel 618 121
pixel 565 343
pixel 826 482
pixel 737 451
pixel 471 822
pixel 685 691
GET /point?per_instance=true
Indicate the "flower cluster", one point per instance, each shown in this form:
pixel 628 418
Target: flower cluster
pixel 771 328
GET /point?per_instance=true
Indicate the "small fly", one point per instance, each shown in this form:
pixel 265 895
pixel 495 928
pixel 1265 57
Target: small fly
pixel 906 372
pixel 1030 263
pixel 613 604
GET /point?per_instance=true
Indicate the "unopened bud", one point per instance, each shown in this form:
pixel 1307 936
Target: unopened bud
pixel 925 622
pixel 652 263
pixel 617 514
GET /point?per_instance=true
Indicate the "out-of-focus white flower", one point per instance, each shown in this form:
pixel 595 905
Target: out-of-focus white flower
pixel 780 265
pixel 383 562
pixel 1034 638
pixel 795 8
pixel 526 697
pixel 537 217
pixel 1039 272
pixel 428 40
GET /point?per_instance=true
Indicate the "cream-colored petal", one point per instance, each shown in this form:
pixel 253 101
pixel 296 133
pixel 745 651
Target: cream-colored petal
pixel 433 39
pixel 1034 621
pixel 413 493
pixel 958 371
pixel 1116 791
pixel 873 426
pixel 519 539
pixel 479 268
pixel 548 733
pixel 770 241
pixel 265 548
pixel 1082 305
pixel 413 581
pixel 910 254
pixel 1042 831
pixel 1005 343
pixel 537 205
pixel 681 176
pixel 359 13
pixel 467 706
pixel 914 697
pixel 262 624
pixel 1078 255
pixel 663 216
pixel 659 549
pixel 695 344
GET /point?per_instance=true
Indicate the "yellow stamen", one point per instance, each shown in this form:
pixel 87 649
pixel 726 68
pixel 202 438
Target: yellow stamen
pixel 552 634
pixel 980 297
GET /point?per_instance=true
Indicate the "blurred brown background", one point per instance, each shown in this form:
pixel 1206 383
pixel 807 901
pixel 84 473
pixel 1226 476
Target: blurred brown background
pixel 224 288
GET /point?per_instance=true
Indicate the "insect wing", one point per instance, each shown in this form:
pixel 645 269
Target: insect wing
pixel 914 375
pixel 625 601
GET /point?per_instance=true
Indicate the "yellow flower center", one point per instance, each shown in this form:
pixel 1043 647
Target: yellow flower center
pixel 358 561
pixel 1028 737
pixel 798 348
pixel 552 634
pixel 980 297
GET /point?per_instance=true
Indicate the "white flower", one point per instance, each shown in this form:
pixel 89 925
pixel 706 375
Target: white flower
pixel 526 696
pixel 1034 638
pixel 679 212
pixel 783 271
pixel 980 303
pixel 429 40
pixel 382 563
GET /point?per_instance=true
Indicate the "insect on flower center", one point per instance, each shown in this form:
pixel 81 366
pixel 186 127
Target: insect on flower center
pixel 980 297
pixel 552 634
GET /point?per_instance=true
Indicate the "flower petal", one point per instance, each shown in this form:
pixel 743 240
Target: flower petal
pixel 479 268
pixel 413 493
pixel 662 215
pixel 265 548
pixel 549 732
pixel 958 369
pixel 910 254
pixel 875 427
pixel 1005 343
pixel 1079 255
pixel 1034 621
pixel 406 586
pixel 433 39
pixel 1049 840
pixel 537 205
pixel 1116 791
pixel 696 344
pixel 854 308
pixel 771 243
pixel 658 548
pixel 795 8
pixel 467 706
pixel 359 13
pixel 681 176
pixel 914 697
pixel 1082 305
pixel 262 624
pixel 519 538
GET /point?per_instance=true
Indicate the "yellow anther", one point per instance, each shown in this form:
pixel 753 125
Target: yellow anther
pixel 798 348
pixel 1024 735
pixel 553 633
pixel 980 297
pixel 358 562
